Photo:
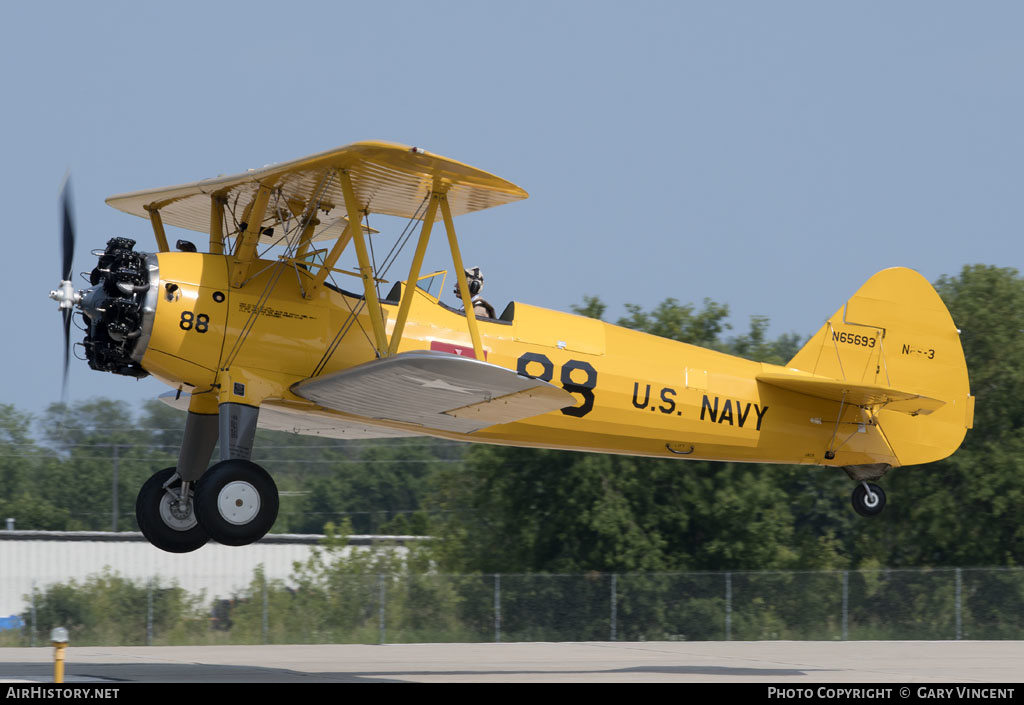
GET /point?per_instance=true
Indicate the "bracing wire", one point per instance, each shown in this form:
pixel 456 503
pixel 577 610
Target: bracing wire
pixel 389 259
pixel 250 322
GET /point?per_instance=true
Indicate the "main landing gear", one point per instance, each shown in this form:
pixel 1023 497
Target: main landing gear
pixel 234 503
pixel 166 518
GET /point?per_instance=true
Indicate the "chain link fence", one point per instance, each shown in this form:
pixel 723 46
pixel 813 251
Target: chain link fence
pixel 937 604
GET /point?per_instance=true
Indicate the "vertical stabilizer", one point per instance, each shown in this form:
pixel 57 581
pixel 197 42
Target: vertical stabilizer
pixel 896 332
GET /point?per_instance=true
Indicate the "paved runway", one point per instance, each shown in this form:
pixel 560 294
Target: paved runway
pixel 778 663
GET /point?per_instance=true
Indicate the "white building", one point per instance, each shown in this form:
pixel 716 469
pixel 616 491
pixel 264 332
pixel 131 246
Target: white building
pixel 36 559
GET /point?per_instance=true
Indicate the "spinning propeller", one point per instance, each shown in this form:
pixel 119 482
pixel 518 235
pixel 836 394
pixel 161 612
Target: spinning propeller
pixel 65 295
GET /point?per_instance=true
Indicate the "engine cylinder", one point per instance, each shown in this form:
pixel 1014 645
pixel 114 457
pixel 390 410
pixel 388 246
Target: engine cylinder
pixel 114 309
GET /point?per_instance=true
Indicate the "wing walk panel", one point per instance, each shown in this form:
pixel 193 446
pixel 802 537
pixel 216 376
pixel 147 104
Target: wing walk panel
pixel 434 390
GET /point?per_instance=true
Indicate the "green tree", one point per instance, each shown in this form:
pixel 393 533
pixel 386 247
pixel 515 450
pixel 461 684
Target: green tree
pixel 592 307
pixel 23 463
pixel 676 321
pixel 756 346
pixel 107 608
pixel 342 593
pixel 524 510
pixel 380 487
pixel 100 453
pixel 987 304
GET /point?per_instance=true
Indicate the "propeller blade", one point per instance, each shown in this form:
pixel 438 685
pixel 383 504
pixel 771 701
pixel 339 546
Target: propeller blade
pixel 67 355
pixel 68 230
pixel 67 256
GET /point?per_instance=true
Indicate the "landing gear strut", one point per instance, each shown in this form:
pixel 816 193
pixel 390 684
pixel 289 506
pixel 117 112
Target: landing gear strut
pixel 234 503
pixel 868 499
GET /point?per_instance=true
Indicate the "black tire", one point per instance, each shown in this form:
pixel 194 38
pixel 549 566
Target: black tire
pixel 236 502
pixel 863 504
pixel 159 525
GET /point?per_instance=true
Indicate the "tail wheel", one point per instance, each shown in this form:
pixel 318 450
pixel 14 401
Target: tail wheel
pixel 167 520
pixel 868 499
pixel 236 502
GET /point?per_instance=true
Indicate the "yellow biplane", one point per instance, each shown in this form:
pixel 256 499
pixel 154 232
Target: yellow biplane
pixel 256 332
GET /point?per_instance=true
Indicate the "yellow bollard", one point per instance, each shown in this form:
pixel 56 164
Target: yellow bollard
pixel 59 639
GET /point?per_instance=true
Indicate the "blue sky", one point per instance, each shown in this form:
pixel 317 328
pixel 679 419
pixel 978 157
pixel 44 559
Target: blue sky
pixel 770 156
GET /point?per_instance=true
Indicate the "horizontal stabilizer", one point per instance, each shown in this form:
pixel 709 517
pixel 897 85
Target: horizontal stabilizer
pixel 855 394
pixel 434 390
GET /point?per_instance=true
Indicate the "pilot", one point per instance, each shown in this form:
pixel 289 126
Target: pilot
pixel 475 280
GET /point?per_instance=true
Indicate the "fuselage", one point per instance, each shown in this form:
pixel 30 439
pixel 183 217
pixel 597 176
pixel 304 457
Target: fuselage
pixel 279 343
pixel 637 394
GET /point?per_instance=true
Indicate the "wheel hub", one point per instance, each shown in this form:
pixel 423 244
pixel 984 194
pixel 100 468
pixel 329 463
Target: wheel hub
pixel 177 514
pixel 870 498
pixel 238 503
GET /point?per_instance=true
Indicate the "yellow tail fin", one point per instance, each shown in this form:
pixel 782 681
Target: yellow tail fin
pixel 896 333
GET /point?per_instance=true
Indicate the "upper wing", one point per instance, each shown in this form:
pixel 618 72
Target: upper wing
pixel 434 390
pixel 390 179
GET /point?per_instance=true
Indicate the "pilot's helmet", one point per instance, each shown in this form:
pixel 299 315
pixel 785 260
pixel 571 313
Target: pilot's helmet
pixel 475 280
